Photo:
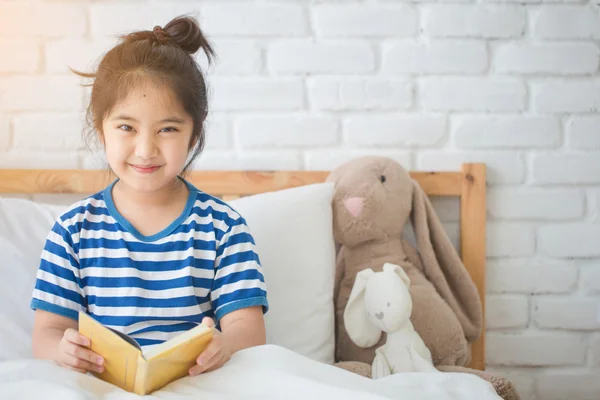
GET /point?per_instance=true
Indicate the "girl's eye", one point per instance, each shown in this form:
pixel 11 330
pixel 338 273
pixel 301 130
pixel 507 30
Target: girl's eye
pixel 168 129
pixel 126 128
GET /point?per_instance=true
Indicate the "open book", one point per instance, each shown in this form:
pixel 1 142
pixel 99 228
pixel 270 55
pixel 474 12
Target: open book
pixel 142 373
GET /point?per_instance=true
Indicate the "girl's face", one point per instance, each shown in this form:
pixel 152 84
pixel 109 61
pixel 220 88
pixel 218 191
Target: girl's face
pixel 147 138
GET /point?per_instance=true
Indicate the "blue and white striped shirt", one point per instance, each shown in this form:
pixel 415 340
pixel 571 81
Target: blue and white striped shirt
pixel 149 287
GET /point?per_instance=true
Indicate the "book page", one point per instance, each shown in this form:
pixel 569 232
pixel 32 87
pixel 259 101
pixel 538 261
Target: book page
pixel 173 359
pixel 120 353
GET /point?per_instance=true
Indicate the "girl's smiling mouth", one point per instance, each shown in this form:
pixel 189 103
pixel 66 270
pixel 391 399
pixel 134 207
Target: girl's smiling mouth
pixel 145 169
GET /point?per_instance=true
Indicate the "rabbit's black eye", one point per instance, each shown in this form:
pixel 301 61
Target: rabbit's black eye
pixel 382 178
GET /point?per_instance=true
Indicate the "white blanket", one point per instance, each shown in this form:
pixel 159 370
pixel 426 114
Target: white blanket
pixel 267 372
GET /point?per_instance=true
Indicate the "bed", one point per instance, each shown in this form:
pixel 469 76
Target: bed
pixel 296 361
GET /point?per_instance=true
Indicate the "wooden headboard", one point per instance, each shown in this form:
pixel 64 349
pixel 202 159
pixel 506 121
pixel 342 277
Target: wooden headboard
pixel 469 184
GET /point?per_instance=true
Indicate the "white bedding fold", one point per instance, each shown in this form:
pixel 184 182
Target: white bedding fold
pixel 267 372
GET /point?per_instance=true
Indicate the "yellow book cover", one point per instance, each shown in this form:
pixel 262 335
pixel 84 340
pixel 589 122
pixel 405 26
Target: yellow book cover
pixel 142 373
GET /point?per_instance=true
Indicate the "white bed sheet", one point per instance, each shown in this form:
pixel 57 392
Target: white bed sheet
pixel 267 372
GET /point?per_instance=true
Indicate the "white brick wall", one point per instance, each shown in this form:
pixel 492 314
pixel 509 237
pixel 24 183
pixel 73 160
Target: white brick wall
pixel 432 84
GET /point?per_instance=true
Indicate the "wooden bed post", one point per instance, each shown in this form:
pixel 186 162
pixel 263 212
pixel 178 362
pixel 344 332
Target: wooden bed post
pixel 473 241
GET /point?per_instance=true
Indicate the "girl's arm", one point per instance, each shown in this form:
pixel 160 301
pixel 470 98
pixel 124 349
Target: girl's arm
pixel 56 338
pixel 241 329
pixel 244 328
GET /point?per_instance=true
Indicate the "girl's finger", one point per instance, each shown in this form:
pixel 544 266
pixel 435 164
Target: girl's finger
pixel 219 363
pixel 208 322
pixel 213 348
pixel 75 337
pixel 84 354
pixel 213 363
pixel 78 363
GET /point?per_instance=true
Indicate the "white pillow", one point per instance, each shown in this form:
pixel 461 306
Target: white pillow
pixel 293 232
pixel 24 226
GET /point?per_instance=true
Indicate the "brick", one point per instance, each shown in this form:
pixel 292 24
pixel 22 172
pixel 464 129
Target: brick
pixel 78 54
pixel 566 313
pixel 338 94
pixel 404 131
pixel 590 277
pixel 48 131
pixel 508 239
pixel 116 19
pixel 569 384
pixel 234 57
pixel 474 21
pixel 21 56
pixel 39 160
pixel 287 131
pixel 565 22
pixel 583 132
pixel 217 160
pixel 472 94
pixel 561 59
pixel 257 94
pixel 502 168
pixel 42 20
pixel 594 201
pixel 505 312
pixel 436 57
pixel 40 93
pixel 299 56
pixel 254 20
pixel 274 160
pixel 595 350
pixel 530 276
pixel 93 160
pixel 535 203
pixel 569 240
pixel 5 132
pixel 364 20
pixel 218 132
pixel 329 159
pixel 532 349
pixel 480 132
pixel 566 96
pixel 567 169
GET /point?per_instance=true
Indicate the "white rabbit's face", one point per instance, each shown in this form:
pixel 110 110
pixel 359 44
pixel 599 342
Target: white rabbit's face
pixel 387 301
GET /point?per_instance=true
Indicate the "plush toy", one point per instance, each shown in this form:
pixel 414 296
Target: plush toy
pixel 374 199
pixel 380 302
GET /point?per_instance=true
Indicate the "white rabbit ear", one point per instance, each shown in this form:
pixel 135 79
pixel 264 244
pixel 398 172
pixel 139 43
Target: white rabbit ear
pixel 399 271
pixel 356 320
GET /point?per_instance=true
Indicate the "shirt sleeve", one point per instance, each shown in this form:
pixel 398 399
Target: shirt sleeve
pixel 239 280
pixel 58 284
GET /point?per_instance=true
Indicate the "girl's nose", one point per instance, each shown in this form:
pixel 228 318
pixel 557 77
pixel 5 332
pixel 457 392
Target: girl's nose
pixel 145 147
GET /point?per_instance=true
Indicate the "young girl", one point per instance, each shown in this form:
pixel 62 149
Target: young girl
pixel 150 255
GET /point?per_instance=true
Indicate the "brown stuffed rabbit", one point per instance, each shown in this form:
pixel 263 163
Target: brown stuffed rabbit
pixel 374 199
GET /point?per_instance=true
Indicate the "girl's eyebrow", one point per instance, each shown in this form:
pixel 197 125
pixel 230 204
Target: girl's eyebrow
pixel 128 118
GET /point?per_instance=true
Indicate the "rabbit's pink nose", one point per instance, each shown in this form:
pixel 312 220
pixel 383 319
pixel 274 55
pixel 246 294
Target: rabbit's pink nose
pixel 354 205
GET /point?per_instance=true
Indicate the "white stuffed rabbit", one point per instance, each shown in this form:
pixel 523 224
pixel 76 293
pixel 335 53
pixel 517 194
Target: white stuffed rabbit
pixel 381 302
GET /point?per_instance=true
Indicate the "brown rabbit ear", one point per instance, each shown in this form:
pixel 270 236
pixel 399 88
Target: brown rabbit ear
pixel 443 267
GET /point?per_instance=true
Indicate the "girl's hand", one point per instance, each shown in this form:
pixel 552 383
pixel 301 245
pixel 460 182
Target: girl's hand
pixel 73 353
pixel 216 353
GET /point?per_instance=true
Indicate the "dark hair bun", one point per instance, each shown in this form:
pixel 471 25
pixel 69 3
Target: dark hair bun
pixel 186 32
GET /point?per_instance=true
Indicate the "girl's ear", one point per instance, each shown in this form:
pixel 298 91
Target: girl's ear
pixel 356 320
